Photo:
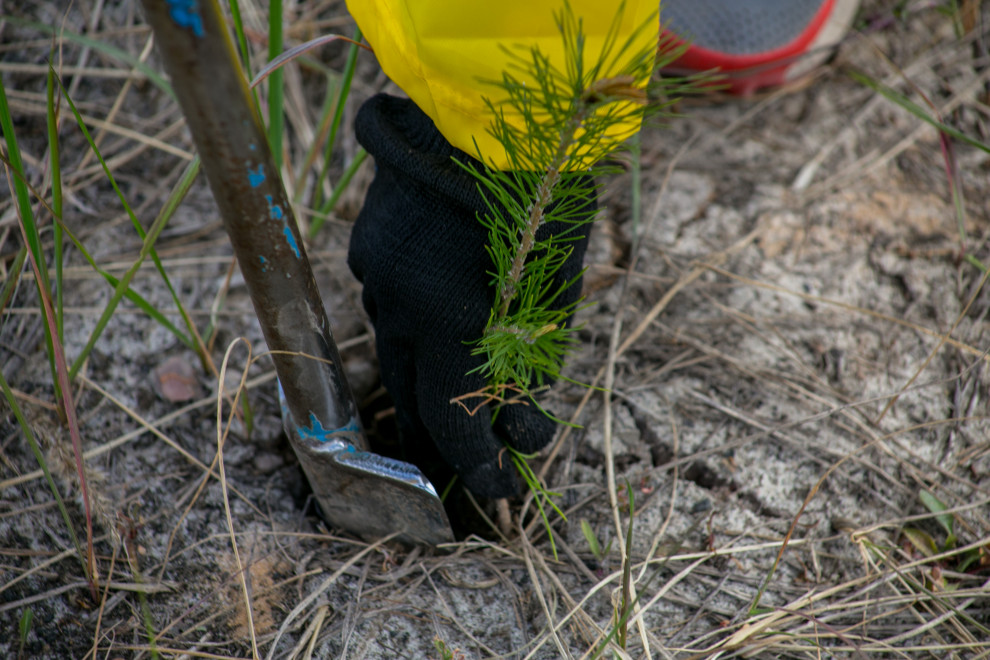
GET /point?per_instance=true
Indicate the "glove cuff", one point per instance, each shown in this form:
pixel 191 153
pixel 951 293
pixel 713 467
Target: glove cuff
pixel 402 137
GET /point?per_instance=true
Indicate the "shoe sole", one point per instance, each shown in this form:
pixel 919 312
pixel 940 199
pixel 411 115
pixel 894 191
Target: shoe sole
pixel 745 74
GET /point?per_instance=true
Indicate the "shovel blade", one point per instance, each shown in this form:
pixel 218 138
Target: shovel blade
pixel 368 494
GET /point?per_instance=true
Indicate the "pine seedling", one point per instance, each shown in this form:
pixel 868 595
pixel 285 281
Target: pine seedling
pixel 559 123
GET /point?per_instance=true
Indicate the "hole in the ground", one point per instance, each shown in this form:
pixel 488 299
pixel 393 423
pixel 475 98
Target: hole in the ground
pixel 378 416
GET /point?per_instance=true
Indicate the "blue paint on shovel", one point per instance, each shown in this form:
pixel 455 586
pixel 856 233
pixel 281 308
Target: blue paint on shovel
pixel 316 431
pixel 274 210
pixel 292 241
pixel 256 178
pixel 185 13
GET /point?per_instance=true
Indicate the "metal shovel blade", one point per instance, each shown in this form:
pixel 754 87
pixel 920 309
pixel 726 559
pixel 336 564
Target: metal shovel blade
pixel 393 496
pixel 366 494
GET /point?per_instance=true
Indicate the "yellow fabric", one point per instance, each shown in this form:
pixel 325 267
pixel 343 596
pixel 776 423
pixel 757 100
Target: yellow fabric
pixel 440 51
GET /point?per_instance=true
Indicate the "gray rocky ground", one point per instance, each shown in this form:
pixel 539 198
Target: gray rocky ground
pixel 801 352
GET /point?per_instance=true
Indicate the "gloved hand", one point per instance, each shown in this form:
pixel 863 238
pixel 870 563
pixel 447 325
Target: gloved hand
pixel 419 250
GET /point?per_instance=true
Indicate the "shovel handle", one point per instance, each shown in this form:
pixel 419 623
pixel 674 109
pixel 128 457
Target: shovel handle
pixel 367 494
pixel 212 90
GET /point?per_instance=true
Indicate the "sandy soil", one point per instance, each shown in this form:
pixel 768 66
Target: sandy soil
pixel 798 351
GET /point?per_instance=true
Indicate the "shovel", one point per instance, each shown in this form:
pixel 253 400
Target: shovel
pixel 364 493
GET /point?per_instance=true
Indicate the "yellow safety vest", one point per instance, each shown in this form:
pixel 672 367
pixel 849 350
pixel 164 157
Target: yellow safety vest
pixel 440 52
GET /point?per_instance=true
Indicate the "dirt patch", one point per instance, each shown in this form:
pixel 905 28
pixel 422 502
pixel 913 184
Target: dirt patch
pixel 802 336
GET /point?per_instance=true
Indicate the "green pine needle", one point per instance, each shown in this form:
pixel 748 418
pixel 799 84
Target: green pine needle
pixel 562 119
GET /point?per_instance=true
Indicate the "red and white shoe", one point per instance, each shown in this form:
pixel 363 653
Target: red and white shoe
pixel 756 43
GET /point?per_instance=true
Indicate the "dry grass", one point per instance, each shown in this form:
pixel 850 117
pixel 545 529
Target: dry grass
pixel 791 345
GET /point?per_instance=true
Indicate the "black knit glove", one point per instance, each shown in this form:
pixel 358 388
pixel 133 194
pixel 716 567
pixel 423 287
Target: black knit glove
pixel 419 249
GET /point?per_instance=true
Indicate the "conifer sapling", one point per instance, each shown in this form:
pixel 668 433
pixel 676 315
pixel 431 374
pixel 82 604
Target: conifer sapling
pixel 558 123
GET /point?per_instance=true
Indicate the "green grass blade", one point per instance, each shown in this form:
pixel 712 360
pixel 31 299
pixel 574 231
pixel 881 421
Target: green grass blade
pixel 330 115
pixel 138 301
pixel 276 85
pixel 14 276
pixel 32 238
pixel 20 190
pixel 973 261
pixel 589 536
pixel 146 616
pixel 239 34
pixel 338 190
pixel 916 110
pixel 121 287
pixel 135 223
pixel 636 184
pixel 343 93
pixel 24 625
pixel 130 294
pixel 541 495
pixel 938 507
pixel 8 288
pixel 243 45
pixel 945 132
pixel 326 118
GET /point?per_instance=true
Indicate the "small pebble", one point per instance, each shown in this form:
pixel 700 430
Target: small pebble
pixel 266 462
pixel 175 380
